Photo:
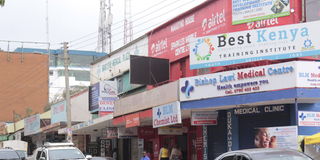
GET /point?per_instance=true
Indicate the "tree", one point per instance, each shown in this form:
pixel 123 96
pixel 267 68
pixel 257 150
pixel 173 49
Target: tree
pixel 2 2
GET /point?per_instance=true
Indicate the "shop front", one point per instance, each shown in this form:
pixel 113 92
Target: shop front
pixel 172 131
pixel 254 100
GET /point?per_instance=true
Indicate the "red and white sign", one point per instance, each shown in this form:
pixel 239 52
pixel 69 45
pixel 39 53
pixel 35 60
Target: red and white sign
pixel 166 115
pixel 307 118
pixel 204 118
pixel 172 40
pixel 110 133
pixel 132 120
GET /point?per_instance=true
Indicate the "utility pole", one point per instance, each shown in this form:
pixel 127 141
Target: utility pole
pixel 68 104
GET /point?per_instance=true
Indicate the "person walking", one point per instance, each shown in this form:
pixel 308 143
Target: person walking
pixel 164 153
pixel 145 156
pixel 176 153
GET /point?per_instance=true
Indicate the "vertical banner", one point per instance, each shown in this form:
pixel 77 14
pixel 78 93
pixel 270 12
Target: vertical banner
pixel 107 95
pixel 205 142
pixel 102 96
pixel 59 112
pixel 94 97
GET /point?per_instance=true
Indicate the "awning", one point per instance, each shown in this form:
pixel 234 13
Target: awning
pixel 53 127
pixel 91 126
pixel 314 139
pixel 144 118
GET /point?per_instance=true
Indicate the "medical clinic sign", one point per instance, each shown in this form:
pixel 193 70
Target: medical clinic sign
pixel 282 42
pixel 166 115
pixel 251 80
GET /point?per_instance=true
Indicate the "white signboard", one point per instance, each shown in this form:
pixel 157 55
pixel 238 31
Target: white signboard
pixel 308 74
pixel 248 11
pixel 250 80
pixel 166 115
pixel 204 118
pixel 172 130
pixel 278 137
pixel 108 94
pixel 127 132
pixel 307 118
pixel 288 41
pixel 119 62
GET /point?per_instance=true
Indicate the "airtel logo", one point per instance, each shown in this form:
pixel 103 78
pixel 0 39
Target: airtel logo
pixel 159 46
pixel 215 19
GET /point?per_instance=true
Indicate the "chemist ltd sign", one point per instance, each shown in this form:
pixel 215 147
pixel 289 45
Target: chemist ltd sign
pixel 288 41
pixel 166 115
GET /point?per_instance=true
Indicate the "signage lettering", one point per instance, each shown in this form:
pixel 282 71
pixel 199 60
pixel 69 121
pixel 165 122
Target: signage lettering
pixel 215 19
pixel 251 74
pixel 166 115
pixel 232 40
pixel 257 110
pixel 229 131
pixel 281 34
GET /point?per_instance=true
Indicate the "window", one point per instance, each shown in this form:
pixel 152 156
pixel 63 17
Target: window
pixel 312 10
pixel 38 154
pixel 232 157
pixel 241 157
pixel 43 155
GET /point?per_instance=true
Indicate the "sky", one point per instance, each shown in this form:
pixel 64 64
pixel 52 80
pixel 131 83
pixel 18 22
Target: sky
pixel 76 21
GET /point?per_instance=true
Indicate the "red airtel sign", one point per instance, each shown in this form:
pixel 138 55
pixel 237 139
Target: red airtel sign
pixel 212 17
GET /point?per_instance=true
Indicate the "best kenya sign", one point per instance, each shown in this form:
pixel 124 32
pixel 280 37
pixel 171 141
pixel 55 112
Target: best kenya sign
pixel 282 42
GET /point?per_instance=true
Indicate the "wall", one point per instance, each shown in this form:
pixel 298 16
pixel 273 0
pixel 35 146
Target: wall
pixel 158 96
pixel 23 84
pixel 119 62
pixel 79 107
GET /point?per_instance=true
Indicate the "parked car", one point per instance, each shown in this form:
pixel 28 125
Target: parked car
pixel 265 154
pixel 9 154
pixel 54 151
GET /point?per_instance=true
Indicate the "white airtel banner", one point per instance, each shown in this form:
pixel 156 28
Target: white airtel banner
pixel 299 74
pixel 287 41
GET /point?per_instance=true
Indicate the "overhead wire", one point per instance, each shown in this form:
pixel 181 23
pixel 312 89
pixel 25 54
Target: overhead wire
pixel 121 21
pixel 144 22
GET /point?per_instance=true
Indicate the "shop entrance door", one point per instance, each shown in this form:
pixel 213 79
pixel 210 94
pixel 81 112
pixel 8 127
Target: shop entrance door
pixel 126 149
pixel 182 142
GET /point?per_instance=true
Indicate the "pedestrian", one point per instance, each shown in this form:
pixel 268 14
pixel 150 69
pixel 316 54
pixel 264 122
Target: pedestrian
pixel 115 154
pixel 176 153
pixel 164 152
pixel 145 156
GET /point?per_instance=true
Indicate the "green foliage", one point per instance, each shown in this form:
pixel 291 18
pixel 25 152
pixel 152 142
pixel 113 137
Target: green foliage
pixel 2 2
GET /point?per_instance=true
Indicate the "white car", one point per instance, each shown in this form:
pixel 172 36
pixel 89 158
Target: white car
pixel 58 151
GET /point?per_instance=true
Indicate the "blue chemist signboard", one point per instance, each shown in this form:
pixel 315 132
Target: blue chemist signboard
pixel 166 115
pixel 288 41
pixel 251 80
